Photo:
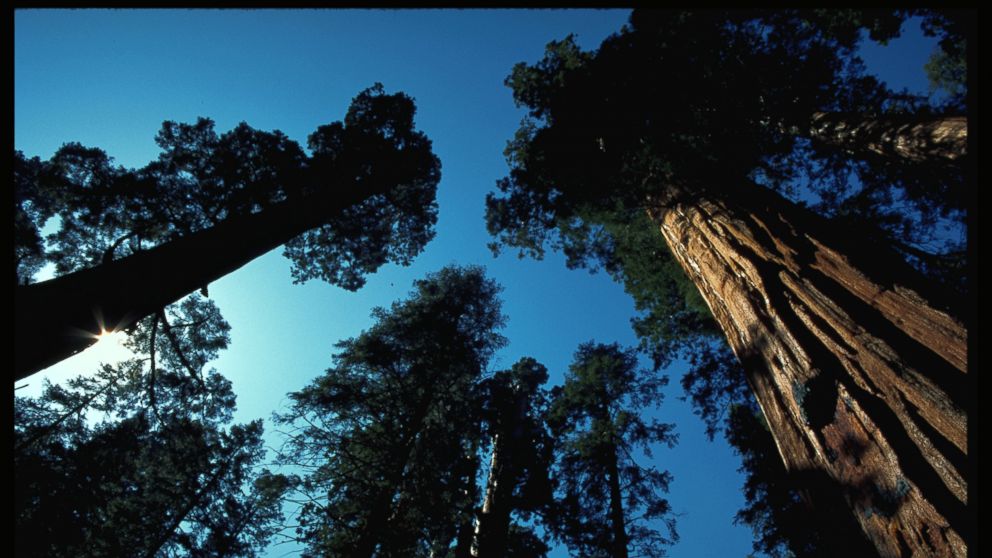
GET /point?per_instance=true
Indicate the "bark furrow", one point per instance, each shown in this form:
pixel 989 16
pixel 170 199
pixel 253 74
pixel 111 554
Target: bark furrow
pixel 858 377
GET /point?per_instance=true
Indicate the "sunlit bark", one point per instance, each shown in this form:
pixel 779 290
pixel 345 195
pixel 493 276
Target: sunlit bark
pixel 860 376
pixel 934 139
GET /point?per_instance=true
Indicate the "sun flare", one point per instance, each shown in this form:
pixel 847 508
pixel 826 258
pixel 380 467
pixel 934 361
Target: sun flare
pixel 112 337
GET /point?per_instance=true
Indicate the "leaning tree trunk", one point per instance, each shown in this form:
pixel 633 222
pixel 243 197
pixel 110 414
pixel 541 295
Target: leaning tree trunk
pixel 860 376
pixel 56 319
pixel 912 138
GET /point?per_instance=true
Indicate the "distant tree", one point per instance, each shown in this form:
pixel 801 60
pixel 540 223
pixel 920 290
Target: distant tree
pixel 31 208
pixel 947 68
pixel 607 504
pixel 514 411
pixel 129 242
pixel 522 542
pixel 840 338
pixel 389 435
pixel 112 465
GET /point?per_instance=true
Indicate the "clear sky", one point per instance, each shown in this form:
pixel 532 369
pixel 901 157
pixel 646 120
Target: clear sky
pixel 108 78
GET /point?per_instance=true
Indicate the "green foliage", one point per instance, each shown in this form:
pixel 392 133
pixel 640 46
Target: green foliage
pixel 609 135
pixel 201 178
pixel 596 423
pixel 514 407
pixel 389 435
pixel 679 104
pixel 124 463
pixel 376 149
pixel 947 73
pixel 524 543
pixel 947 68
pixel 32 208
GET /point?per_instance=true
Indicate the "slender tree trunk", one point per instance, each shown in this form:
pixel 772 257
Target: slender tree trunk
pixel 491 519
pixel 504 469
pixel 463 542
pixel 57 318
pixel 617 520
pixel 464 531
pixel 861 378
pixel 939 138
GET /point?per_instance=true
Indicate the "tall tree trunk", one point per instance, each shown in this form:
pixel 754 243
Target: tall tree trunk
pixel 504 469
pixel 55 319
pixel 617 521
pixel 861 378
pixel 463 542
pixel 464 532
pixel 933 139
pixel 494 519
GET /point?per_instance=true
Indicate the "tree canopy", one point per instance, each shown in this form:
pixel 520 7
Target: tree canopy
pixel 610 132
pixel 681 106
pixel 608 504
pixel 130 241
pixel 389 435
pixel 140 459
pixel 107 212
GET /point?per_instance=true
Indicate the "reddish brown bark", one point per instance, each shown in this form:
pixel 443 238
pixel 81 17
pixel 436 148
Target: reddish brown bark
pixel 860 378
pixel 911 138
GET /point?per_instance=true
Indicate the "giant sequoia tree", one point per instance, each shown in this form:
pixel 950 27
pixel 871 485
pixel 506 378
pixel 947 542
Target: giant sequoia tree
pixel 699 123
pixel 390 434
pixel 131 241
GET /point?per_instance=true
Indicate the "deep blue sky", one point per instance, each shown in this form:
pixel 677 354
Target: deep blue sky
pixel 108 78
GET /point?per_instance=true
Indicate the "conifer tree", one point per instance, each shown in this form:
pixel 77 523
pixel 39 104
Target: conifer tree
pixel 606 503
pixel 130 463
pixel 389 433
pixel 840 338
pixel 131 241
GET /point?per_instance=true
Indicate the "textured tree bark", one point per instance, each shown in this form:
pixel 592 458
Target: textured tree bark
pixel 940 138
pixel 860 377
pixel 56 319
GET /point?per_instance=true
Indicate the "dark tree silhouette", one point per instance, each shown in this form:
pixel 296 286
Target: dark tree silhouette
pixel 132 241
pixel 514 408
pixel 113 465
pixel 840 338
pixel 390 434
pixel 607 504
